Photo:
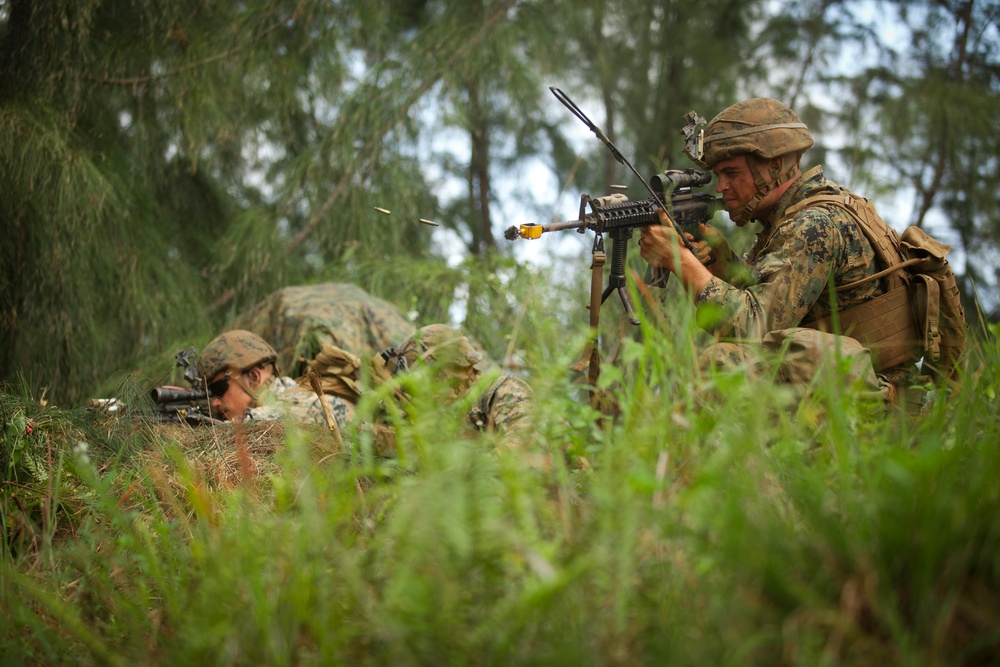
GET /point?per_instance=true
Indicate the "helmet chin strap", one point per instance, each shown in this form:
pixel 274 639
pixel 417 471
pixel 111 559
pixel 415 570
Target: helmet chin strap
pixel 764 186
pixel 254 394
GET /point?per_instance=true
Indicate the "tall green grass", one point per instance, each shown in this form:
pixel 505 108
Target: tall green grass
pixel 714 520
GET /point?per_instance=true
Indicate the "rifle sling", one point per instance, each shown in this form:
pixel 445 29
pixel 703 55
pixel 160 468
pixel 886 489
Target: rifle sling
pixel 591 357
pixel 880 274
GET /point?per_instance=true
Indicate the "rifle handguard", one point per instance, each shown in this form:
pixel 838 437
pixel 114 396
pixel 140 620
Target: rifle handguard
pixel 687 211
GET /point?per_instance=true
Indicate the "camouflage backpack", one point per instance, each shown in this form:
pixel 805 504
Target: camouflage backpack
pixel 300 320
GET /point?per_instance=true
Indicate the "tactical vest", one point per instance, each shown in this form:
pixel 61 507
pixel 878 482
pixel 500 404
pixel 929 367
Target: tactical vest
pixel 919 315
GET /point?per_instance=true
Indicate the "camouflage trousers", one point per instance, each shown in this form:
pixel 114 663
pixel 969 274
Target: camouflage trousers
pixel 805 357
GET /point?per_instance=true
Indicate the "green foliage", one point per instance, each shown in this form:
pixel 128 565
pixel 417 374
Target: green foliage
pixel 165 165
pixel 73 263
pixel 716 519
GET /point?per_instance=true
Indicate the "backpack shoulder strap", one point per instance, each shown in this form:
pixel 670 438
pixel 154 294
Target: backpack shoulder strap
pixel 883 238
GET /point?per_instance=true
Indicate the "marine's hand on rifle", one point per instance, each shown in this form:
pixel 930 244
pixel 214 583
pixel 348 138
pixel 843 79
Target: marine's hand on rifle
pixel 712 250
pixel 659 244
pixel 702 249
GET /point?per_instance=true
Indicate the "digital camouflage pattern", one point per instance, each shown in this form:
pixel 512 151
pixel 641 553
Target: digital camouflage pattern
pixel 284 398
pixel 234 351
pixel 503 407
pixel 439 343
pixel 759 126
pixel 779 295
pixel 790 265
pixel 299 320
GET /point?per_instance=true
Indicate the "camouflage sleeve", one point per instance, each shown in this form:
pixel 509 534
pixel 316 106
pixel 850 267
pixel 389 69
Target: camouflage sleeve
pixel 503 406
pixel 293 401
pixel 789 276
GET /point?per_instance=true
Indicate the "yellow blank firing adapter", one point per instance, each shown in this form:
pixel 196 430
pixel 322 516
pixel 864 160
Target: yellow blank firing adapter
pixel 530 231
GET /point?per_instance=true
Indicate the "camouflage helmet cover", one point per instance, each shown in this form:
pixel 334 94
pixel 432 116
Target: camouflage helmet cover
pixel 441 344
pixel 299 320
pixel 759 126
pixel 234 350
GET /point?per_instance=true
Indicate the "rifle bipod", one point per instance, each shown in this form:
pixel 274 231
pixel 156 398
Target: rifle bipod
pixel 591 357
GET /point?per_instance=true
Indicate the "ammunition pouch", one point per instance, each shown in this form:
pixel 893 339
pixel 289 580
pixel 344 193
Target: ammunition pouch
pixel 885 325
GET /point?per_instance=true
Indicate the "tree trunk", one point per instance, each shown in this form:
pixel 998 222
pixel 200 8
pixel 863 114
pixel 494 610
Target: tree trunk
pixel 479 172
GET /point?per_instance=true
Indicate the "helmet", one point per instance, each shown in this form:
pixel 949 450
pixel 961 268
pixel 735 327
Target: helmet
pixel 760 126
pixel 439 343
pixel 234 350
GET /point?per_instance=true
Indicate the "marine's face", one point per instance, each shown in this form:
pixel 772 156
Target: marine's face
pixel 230 398
pixel 736 185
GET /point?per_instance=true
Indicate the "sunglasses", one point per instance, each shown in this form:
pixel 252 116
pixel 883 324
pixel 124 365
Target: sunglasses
pixel 218 388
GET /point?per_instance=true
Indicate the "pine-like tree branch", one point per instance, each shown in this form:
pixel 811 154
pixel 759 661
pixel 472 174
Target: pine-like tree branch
pixel 393 121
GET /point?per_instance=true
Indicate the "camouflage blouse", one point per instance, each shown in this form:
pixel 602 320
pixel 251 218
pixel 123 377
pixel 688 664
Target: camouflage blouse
pixel 503 406
pixel 790 266
pixel 285 398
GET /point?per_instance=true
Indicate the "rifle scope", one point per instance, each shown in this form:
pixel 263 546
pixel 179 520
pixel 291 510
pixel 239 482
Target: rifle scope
pixel 176 394
pixel 677 178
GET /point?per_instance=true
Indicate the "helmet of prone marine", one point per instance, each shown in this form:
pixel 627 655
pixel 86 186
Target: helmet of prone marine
pixel 440 344
pixel 760 126
pixel 437 345
pixel 236 351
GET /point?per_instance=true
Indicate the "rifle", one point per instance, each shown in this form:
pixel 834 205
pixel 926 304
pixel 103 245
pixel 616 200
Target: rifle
pixel 617 217
pixel 178 405
pixel 174 405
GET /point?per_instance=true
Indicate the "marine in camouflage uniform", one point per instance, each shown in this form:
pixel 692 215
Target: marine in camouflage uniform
pixel 299 320
pixel 787 270
pixel 254 387
pixel 284 398
pixel 502 408
pixel 783 283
